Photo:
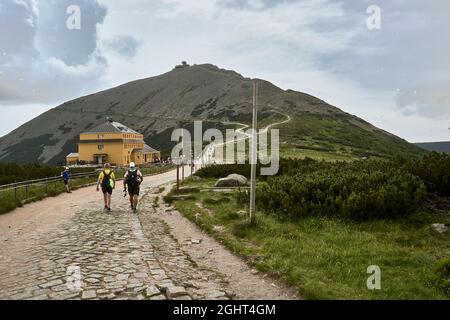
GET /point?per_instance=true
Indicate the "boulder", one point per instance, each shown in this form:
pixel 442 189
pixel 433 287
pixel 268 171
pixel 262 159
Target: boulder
pixel 233 180
pixel 439 227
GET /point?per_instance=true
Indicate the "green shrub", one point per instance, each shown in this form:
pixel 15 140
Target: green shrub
pixel 362 190
pixel 434 170
pixel 286 166
pixel 221 171
pixel 442 276
pixel 12 172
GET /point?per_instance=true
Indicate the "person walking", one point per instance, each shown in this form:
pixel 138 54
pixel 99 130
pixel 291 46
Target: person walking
pixel 66 178
pixel 133 179
pixel 107 180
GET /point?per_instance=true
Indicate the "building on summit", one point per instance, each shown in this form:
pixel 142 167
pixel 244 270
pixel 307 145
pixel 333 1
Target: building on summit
pixel 115 143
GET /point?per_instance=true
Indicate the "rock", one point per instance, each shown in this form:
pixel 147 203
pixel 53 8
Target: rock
pixel 196 178
pixel 242 213
pixel 439 227
pixel 152 291
pixel 134 283
pixel 233 180
pixel 91 280
pixel 196 241
pixel 213 294
pixel 159 297
pixel 140 275
pixel 218 228
pixel 51 284
pixel 174 292
pixel 183 298
pixel 90 294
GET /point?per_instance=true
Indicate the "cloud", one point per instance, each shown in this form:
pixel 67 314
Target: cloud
pixel 55 40
pixel 18 21
pixel 41 60
pixel 322 47
pixel 427 100
pixel 124 45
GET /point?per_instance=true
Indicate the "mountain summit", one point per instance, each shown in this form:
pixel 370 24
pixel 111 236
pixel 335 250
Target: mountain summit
pixel 156 105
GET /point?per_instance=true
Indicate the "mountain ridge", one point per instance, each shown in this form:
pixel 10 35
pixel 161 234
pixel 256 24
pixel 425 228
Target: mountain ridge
pixel 156 105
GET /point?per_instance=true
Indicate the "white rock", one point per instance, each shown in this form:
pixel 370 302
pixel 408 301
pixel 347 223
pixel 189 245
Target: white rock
pixel 439 227
pixel 233 180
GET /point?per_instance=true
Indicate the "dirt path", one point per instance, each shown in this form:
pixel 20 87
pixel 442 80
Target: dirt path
pixel 68 248
pixel 208 156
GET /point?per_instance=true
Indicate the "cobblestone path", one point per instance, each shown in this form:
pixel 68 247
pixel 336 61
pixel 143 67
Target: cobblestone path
pixel 69 248
pixel 98 255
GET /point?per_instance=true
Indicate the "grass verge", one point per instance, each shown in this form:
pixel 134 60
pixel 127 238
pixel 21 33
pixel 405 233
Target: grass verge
pixel 328 258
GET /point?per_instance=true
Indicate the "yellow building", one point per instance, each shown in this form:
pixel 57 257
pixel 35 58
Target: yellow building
pixel 115 143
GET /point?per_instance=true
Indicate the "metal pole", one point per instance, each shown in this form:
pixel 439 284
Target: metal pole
pixel 182 170
pixel 178 177
pixel 254 154
pixel 182 155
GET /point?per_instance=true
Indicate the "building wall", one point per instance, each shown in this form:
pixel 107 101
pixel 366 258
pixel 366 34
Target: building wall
pixel 141 159
pixel 114 150
pixel 119 152
pixel 71 160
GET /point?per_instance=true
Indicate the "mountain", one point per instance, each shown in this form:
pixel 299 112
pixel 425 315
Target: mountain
pixel 156 105
pixel 443 146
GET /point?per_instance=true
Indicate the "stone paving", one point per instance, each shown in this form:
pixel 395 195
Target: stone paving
pixel 98 255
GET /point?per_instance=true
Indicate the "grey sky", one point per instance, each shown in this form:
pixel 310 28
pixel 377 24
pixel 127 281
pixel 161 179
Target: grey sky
pixel 398 77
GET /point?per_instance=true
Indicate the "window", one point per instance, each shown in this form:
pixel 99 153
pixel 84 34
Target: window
pixel 101 147
pixel 100 136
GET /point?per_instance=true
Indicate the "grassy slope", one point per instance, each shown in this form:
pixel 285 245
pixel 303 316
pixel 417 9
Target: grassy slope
pixel 328 258
pixel 336 136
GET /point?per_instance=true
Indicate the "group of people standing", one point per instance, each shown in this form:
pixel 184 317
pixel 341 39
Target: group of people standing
pixel 131 182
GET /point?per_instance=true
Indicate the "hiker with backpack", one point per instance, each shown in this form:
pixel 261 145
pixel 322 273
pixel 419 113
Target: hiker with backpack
pixel 133 179
pixel 66 177
pixel 107 180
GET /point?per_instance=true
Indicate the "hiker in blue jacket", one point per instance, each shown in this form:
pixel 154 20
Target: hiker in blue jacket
pixel 66 177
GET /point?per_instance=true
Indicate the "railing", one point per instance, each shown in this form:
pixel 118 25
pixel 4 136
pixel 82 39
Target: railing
pixel 26 191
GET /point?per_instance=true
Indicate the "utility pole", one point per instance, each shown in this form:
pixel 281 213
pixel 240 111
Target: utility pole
pixel 178 178
pixel 182 155
pixel 254 154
